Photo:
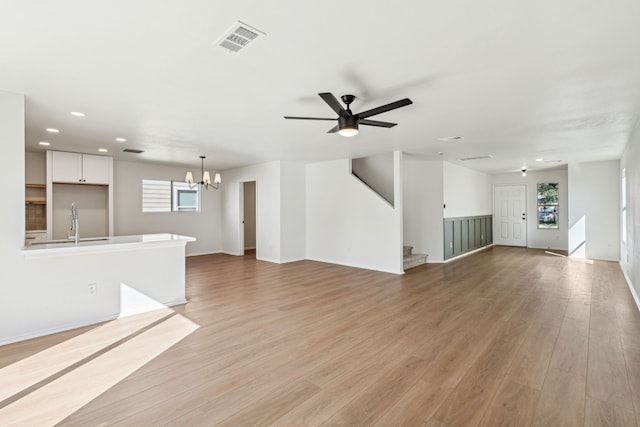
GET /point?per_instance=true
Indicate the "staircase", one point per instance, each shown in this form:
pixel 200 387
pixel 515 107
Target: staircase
pixel 410 259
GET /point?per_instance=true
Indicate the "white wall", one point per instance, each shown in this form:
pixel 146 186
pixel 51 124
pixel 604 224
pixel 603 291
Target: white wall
pixel 466 192
pixel 267 177
pixel 12 172
pixel 205 226
pixel 280 211
pixel 350 224
pixel 594 210
pixel 541 238
pixel 377 171
pixel 423 213
pixel 630 249
pixel 293 220
pixel 35 167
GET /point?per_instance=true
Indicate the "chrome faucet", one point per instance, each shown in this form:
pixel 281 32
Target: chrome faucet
pixel 74 224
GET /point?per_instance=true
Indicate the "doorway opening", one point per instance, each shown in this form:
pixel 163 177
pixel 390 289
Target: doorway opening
pixel 249 218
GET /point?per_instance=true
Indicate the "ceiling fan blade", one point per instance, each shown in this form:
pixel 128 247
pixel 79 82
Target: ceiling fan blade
pixel 383 108
pixel 334 104
pixel 307 118
pixel 333 129
pixel 376 123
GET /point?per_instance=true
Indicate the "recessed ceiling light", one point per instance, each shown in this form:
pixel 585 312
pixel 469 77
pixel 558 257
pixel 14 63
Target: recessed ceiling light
pixel 451 138
pixel 44 143
pixel 103 150
pixel 121 139
pixel 77 114
pixel 52 130
pixel 539 160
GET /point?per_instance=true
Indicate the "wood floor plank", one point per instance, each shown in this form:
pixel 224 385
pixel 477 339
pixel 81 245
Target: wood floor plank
pixel 601 414
pixel 531 361
pixel 632 361
pixel 268 411
pixel 505 336
pixel 562 398
pixel 562 401
pixel 607 373
pixel 416 407
pixel 370 405
pixel 469 400
pixel 513 405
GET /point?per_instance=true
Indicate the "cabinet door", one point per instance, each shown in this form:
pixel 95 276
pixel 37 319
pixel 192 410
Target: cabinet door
pixel 95 169
pixel 66 167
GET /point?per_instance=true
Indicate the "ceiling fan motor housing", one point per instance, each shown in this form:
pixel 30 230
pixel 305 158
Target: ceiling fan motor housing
pixel 350 122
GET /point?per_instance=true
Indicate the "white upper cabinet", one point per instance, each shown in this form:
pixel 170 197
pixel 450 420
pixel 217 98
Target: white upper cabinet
pixel 80 168
pixel 95 169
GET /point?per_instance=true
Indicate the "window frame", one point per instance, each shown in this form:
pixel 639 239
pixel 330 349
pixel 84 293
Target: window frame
pixel 543 205
pixel 623 203
pixel 162 196
pixel 178 187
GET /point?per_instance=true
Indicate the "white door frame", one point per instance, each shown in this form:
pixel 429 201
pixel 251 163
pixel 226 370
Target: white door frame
pixel 514 232
pixel 241 212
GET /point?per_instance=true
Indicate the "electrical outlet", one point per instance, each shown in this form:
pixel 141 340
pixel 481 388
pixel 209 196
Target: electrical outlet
pixel 93 289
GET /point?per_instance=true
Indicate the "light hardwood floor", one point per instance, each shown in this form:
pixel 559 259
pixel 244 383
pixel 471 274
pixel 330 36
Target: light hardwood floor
pixel 507 336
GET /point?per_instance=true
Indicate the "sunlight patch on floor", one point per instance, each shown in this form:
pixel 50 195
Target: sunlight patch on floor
pixel 58 399
pixel 27 372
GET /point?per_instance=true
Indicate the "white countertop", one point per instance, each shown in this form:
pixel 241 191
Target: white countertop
pixel 94 244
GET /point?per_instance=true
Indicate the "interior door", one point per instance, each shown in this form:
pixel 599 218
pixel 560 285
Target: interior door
pixel 510 215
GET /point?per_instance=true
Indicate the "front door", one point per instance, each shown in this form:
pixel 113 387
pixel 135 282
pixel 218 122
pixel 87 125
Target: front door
pixel 510 215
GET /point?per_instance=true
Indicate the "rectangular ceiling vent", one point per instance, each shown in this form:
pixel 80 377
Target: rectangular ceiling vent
pixel 132 150
pixel 464 159
pixel 239 37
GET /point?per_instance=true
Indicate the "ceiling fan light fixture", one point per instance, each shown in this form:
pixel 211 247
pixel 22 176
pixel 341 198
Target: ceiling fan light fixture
pixel 348 126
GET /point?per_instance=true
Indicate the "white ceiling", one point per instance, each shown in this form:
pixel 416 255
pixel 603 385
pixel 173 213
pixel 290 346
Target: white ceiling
pixel 558 80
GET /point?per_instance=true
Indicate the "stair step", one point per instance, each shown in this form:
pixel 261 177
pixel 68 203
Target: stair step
pixel 406 250
pixel 414 260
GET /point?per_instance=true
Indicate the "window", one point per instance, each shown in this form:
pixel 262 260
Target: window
pixel 167 196
pixel 548 205
pixel 185 197
pixel 156 196
pixel 624 205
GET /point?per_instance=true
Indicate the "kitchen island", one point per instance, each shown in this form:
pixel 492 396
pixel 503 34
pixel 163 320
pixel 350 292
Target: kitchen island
pixel 64 247
pixel 95 280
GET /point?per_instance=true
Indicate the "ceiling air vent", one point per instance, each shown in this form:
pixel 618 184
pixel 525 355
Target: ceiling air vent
pixel 132 150
pixel 239 36
pixel 476 158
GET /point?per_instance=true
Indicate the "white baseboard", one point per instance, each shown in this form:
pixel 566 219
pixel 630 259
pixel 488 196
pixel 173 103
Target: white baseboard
pixel 81 324
pixel 203 253
pixel 364 267
pixel 284 261
pixel 631 288
pixel 468 253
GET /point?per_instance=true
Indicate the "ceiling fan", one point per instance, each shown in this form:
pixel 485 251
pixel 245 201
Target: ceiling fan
pixel 348 122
